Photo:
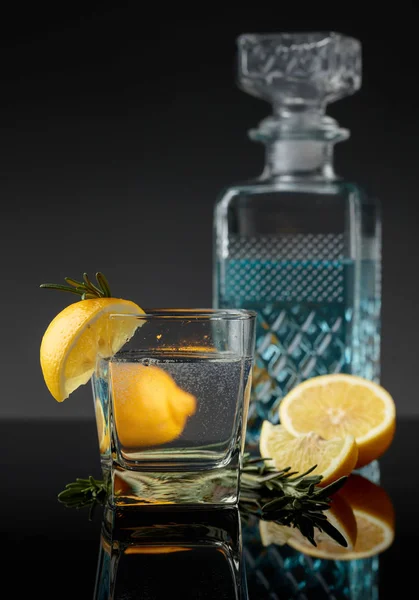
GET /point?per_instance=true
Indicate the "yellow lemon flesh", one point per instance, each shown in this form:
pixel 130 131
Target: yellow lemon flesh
pixel 78 335
pixel 337 405
pixel 334 458
pixel 150 409
pixel 375 518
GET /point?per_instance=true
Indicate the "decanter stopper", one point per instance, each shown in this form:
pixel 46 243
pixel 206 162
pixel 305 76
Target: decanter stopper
pixel 297 71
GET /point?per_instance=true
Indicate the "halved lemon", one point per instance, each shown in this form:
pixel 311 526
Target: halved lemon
pixel 374 515
pixel 150 409
pixel 338 404
pixel 340 515
pixel 334 458
pixel 78 335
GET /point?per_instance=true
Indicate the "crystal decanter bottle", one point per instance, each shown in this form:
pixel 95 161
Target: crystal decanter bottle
pixel 300 244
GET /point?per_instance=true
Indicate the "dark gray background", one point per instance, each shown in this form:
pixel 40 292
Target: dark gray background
pixel 117 134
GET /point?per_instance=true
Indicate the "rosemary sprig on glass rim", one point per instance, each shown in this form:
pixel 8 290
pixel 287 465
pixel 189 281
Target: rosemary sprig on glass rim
pixel 285 497
pixel 86 289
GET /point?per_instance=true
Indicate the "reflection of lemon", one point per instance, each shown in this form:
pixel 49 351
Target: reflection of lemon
pixel 336 405
pixel 334 458
pixel 374 514
pixel 77 336
pixel 188 348
pixel 102 430
pixel 274 533
pixel 155 549
pixel 340 515
pixel 149 407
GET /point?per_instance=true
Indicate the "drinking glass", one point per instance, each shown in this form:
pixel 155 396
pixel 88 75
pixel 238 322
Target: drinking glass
pixel 171 406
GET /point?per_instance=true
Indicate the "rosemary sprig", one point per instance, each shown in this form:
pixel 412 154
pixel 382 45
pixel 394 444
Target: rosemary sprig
pixel 84 492
pixel 86 289
pixel 286 497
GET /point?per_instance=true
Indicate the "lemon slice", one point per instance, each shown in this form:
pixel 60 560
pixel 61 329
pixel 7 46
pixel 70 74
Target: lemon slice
pixel 374 515
pixel 336 405
pixel 334 458
pixel 340 515
pixel 78 335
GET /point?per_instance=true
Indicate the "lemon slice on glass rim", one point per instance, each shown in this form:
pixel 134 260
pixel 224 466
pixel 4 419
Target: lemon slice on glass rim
pixel 81 332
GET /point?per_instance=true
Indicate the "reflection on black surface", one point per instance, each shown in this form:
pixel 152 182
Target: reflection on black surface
pixel 58 547
pixel 276 571
pixel 156 554
pixel 218 554
pixel 280 563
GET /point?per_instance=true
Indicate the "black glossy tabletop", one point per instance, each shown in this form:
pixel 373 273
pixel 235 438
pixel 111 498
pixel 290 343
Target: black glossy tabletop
pixel 51 551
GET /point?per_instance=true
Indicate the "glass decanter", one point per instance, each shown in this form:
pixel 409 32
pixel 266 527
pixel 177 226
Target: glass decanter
pixel 299 244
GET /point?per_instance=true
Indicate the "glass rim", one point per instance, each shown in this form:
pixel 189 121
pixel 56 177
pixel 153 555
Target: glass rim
pixel 190 314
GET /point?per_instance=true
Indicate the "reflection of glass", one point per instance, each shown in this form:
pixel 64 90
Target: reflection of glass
pixel 281 563
pixel 158 555
pixel 171 406
pixel 219 553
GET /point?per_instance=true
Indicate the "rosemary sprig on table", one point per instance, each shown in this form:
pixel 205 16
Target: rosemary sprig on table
pixel 86 289
pixel 84 492
pixel 286 497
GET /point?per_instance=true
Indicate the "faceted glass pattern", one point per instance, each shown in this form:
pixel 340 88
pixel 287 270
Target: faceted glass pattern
pixel 299 68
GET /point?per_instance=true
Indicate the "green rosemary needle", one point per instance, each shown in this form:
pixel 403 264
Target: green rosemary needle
pixel 288 498
pixel 86 289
